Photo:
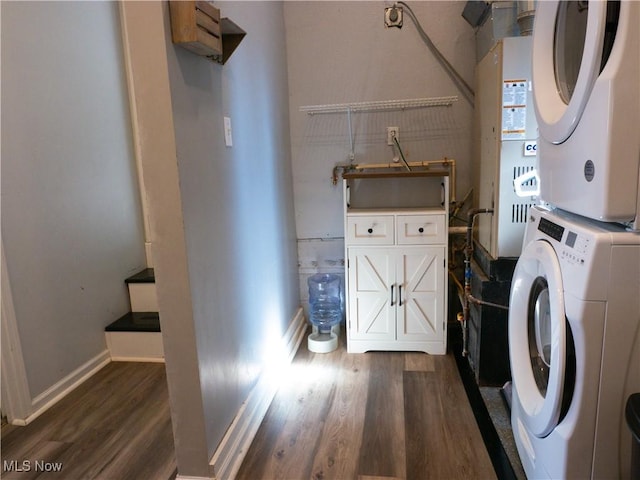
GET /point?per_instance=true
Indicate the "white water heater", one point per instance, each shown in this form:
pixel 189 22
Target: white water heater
pixel 506 133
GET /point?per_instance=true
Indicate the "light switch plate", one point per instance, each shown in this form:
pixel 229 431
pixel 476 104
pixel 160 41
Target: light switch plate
pixel 228 139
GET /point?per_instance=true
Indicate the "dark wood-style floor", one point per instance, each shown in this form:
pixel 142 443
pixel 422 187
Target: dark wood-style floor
pixel 116 425
pixel 336 416
pixel 369 416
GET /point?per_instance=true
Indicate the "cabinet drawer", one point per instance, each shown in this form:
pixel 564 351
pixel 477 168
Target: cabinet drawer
pixel 370 230
pixel 421 229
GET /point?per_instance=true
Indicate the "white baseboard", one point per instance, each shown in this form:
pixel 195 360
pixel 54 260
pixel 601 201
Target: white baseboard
pixel 138 359
pixel 229 455
pixel 59 390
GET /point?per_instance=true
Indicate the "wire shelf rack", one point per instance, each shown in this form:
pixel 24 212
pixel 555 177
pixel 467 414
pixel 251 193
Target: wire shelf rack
pixel 380 105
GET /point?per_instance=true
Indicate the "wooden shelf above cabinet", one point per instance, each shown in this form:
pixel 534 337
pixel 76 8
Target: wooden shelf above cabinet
pixel 197 26
pixel 396 174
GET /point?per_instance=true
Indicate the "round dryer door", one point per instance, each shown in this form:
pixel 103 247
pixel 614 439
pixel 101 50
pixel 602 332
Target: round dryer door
pixel 569 49
pixel 537 336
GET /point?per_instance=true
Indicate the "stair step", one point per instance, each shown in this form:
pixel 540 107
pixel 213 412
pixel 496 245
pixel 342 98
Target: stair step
pixel 145 276
pixel 136 322
pixel 143 297
pixel 142 291
pixel 135 337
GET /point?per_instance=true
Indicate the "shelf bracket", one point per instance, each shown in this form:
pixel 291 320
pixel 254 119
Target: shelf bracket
pixel 352 155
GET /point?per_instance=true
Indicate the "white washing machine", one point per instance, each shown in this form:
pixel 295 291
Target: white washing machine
pixel 586 89
pixel 574 346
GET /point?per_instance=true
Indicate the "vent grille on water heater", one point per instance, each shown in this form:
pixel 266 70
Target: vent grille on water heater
pixel 521 170
pixel 519 211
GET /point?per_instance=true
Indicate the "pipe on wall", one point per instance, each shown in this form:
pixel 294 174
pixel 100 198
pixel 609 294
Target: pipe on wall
pixel 468 251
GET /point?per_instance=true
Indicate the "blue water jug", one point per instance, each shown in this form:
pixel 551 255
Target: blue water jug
pixel 325 308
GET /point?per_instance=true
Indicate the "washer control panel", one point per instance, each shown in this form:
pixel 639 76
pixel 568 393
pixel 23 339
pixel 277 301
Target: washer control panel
pixel 574 248
pixel 578 247
pixel 575 254
pixel 554 230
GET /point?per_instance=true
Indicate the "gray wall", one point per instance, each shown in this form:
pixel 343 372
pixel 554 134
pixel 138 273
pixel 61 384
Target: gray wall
pixel 237 205
pixel 340 52
pixel 71 217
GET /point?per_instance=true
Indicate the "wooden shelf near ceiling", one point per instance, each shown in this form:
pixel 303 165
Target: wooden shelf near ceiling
pixel 197 26
pixel 395 174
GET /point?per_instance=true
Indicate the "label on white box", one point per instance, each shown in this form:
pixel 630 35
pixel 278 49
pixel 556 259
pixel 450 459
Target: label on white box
pixel 228 139
pixel 530 148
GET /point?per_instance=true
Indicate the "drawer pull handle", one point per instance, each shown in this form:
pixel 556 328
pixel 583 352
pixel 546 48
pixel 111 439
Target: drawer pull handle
pixel 370 230
pixel 391 304
pixel 421 230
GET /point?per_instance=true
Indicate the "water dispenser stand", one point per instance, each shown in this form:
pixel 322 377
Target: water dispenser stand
pixel 323 342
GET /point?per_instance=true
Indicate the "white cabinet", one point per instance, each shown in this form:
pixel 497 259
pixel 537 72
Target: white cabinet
pixel 396 278
pixel 395 295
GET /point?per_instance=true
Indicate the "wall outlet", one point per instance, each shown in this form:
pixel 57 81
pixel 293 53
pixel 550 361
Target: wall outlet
pixel 391 133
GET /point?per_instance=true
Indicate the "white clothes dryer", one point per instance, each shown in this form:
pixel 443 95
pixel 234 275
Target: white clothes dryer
pixel 586 89
pixel 574 346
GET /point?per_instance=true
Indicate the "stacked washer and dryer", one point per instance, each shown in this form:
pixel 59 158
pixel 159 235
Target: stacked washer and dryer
pixel 574 321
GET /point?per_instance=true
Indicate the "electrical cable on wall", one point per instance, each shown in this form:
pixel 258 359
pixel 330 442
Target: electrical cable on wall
pixel 404 161
pixel 461 84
